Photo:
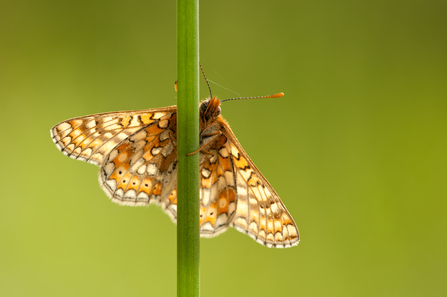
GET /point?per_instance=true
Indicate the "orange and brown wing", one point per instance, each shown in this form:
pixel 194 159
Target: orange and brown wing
pixel 260 212
pixel 142 168
pixel 91 138
pixel 217 188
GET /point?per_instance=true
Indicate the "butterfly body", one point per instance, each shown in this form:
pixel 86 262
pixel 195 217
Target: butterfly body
pixel 137 155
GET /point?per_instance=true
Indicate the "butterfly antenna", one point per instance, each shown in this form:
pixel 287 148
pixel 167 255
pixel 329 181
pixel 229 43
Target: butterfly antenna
pixel 277 95
pixel 203 72
pixel 217 73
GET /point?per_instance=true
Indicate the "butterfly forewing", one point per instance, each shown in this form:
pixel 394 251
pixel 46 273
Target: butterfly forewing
pixel 260 212
pixel 90 138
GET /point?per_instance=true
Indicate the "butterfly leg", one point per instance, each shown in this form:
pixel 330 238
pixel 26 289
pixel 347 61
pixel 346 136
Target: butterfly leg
pixel 215 136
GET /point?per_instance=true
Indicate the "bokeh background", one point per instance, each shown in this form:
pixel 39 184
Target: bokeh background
pixel 356 149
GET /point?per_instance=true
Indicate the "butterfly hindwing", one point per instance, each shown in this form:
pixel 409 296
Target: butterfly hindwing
pixel 142 168
pixel 217 188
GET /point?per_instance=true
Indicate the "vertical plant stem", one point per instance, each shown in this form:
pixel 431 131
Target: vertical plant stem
pixel 187 141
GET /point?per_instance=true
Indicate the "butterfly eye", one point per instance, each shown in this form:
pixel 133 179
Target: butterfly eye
pixel 204 106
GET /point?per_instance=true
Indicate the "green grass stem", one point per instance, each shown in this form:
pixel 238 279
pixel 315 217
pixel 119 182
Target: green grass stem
pixel 188 233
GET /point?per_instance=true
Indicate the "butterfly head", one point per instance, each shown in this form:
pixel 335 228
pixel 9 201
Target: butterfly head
pixel 209 109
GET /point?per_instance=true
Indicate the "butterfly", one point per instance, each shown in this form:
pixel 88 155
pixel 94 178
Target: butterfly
pixel 137 155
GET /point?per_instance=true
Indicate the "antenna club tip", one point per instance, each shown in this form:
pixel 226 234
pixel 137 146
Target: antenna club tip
pixel 277 95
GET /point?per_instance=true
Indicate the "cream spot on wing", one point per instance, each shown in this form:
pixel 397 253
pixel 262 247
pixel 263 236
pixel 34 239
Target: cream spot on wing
pixel 278 237
pixel 96 158
pixel 113 154
pixel 151 169
pixel 69 149
pixel 158 115
pixel 274 208
pixel 292 231
pixel 119 193
pixel 138 136
pixel 206 173
pixel 222 202
pixel 242 222
pixel 130 194
pixel 165 135
pixel 134 122
pixel 231 207
pixel 143 196
pixel 77 150
pixel 205 197
pixel 254 215
pixel 207 227
pixel 90 124
pixel 221 181
pixel 253 201
pixel 163 123
pixel 76 133
pixel 66 140
pixel 245 174
pixel 277 225
pixel 242 191
pixel 173 208
pixel 63 126
pixel 87 153
pixel 156 150
pixel 253 227
pixel 109 168
pixel 234 151
pixel 139 145
pixel 222 219
pixel 137 166
pixel 108 135
pixel 122 157
pixel 112 184
pixel 80 138
pixel 224 152
pixel 167 150
pixel 213 159
pixel 242 208
pixel 229 178
pixel 141 169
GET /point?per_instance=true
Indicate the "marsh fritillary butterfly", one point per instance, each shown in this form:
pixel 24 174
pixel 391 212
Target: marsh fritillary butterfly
pixel 137 155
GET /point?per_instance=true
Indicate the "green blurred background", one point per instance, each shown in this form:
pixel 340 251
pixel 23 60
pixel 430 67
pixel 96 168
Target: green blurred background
pixel 356 149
